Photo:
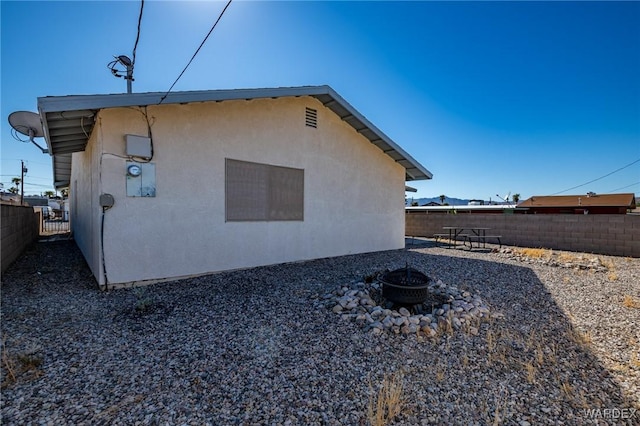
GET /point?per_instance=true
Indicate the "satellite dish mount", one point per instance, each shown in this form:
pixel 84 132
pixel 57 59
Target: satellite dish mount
pixel 27 123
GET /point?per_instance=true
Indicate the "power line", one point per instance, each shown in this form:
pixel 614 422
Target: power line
pixel 30 177
pixel 601 177
pixel 135 46
pixel 625 187
pixel 198 50
pixel 38 184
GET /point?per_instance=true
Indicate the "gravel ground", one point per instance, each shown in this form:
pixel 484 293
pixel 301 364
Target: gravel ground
pixel 264 347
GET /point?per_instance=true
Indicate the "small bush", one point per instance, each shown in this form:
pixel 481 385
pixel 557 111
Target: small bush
pixel 385 404
pixel 630 302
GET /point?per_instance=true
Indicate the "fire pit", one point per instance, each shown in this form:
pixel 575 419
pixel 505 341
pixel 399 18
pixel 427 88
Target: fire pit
pixel 405 286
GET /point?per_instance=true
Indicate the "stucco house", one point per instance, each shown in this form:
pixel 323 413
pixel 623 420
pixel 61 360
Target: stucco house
pixel 264 176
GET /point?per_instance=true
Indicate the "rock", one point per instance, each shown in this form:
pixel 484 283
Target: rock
pixel 399 321
pixel 387 322
pixel 337 309
pixel 344 301
pixel 404 312
pixel 376 312
pixel 456 323
pixel 376 324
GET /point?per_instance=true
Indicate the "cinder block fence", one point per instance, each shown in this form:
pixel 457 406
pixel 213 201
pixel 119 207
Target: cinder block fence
pixel 20 227
pixel 610 234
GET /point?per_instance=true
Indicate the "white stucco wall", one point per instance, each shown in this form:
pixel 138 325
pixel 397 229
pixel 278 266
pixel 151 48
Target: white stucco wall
pixel 85 209
pixel 354 194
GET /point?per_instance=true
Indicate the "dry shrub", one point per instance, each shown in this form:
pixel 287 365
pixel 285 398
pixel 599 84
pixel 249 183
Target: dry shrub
pixel 8 365
pixel 630 302
pixel 530 371
pixel 28 366
pixel 385 404
pixel 567 389
pixel 567 257
pixel 607 263
pixel 582 338
pixel 536 253
pixel 635 360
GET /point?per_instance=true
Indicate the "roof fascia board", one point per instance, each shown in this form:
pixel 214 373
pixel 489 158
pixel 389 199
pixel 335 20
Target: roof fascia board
pixel 95 102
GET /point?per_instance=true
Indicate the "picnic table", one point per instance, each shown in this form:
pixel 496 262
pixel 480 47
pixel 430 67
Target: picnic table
pixel 476 234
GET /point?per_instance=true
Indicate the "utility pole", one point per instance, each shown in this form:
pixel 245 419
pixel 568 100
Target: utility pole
pixel 23 170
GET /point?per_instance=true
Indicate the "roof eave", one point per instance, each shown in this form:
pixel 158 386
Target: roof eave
pixel 85 106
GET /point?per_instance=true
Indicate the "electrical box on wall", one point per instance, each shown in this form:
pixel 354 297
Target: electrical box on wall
pixel 138 146
pixel 141 179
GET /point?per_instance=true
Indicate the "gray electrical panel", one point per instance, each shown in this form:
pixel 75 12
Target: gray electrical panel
pixel 141 179
pixel 138 146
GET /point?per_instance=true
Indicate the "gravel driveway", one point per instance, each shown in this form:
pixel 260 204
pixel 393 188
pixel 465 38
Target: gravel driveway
pixel 263 346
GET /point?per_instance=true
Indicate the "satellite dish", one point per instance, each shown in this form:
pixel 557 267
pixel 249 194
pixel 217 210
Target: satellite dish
pixel 27 123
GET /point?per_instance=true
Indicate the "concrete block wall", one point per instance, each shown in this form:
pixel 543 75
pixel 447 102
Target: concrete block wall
pixel 609 234
pixel 20 228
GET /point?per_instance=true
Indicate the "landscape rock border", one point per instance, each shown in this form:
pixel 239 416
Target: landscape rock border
pixel 361 301
pixel 580 261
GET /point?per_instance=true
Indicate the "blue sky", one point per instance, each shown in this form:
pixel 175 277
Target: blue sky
pixel 531 98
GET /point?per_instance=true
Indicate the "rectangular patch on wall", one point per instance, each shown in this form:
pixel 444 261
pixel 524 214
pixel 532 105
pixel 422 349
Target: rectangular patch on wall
pixel 262 192
pixel 141 179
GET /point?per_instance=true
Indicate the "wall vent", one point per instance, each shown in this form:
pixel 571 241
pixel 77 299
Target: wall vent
pixel 311 117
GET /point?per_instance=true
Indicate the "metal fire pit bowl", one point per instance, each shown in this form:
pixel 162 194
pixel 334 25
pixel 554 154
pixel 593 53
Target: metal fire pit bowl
pixel 405 286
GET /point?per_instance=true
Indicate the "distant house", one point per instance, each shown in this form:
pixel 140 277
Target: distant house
pixel 580 204
pixel 435 208
pixel 10 198
pixel 265 176
pixel 36 201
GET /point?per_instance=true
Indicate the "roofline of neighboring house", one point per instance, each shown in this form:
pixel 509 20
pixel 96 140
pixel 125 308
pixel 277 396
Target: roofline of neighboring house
pixel 68 120
pixel 464 207
pixel 625 199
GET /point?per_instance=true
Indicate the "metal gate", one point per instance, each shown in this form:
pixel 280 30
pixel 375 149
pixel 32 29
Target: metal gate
pixel 58 223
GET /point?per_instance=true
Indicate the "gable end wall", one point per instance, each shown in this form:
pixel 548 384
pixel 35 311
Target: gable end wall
pixel 353 201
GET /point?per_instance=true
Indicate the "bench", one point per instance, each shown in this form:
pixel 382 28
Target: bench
pixel 480 239
pixel 450 237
